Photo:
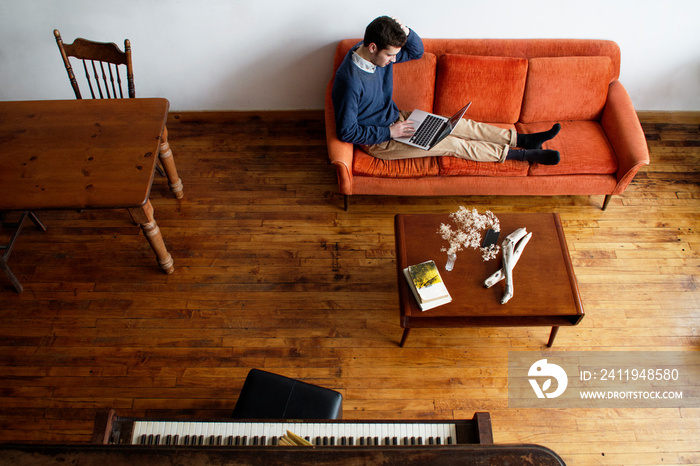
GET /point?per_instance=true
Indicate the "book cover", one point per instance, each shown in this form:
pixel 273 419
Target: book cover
pixel 427 286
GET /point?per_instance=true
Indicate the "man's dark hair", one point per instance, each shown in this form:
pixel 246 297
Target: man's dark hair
pixel 384 32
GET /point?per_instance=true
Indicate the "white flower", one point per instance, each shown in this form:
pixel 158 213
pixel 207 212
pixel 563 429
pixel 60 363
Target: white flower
pixel 468 233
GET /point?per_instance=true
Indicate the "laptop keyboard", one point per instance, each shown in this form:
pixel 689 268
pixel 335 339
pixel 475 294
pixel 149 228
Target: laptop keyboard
pixel 426 131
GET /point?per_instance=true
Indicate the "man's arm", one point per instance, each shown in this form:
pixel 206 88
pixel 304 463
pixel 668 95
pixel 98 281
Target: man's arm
pixel 346 103
pixel 413 49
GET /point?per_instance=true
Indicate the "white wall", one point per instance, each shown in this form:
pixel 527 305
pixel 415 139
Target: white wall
pixel 277 54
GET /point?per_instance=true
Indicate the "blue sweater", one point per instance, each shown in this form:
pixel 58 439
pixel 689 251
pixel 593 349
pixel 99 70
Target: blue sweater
pixel 362 100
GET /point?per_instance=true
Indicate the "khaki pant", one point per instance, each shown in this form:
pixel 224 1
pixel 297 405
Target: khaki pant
pixel 470 140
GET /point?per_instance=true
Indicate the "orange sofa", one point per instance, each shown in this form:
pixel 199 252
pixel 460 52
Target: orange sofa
pixel 524 83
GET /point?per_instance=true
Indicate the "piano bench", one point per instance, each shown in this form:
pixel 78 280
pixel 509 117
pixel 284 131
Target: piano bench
pixel 270 396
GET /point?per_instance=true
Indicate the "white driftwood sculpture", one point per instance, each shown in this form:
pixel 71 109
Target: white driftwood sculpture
pixel 512 247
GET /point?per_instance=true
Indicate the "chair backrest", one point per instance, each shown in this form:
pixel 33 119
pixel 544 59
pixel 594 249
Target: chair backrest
pixel 101 63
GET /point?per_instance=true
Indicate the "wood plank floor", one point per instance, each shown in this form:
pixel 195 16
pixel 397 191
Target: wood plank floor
pixel 270 272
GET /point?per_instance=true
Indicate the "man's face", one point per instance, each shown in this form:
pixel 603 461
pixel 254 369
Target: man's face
pixel 383 57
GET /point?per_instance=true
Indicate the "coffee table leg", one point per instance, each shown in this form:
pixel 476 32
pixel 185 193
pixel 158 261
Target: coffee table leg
pixel 144 216
pixel 405 335
pixel 552 336
pixel 166 158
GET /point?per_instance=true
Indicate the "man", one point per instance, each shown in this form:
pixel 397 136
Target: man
pixel 366 115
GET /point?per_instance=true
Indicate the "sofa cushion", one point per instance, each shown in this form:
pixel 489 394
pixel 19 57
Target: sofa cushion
pixel 453 166
pixel 566 88
pixel 364 164
pixel 583 146
pixel 414 83
pixel 494 85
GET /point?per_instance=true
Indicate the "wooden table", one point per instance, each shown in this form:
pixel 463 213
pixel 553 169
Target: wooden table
pixel 546 291
pixel 86 154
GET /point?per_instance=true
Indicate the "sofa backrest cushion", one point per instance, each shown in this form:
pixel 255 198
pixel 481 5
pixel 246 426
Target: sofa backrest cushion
pixel 414 83
pixel 528 48
pixel 566 88
pixel 494 85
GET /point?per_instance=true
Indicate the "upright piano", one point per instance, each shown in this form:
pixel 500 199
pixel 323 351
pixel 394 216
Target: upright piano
pixel 132 441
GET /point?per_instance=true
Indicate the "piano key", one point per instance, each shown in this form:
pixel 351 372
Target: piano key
pixel 196 433
pixel 264 438
pixel 167 430
pixel 386 434
pixel 422 434
pixel 177 432
pixel 208 433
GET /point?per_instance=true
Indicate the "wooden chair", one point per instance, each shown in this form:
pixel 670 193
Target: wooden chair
pixel 8 247
pixel 105 65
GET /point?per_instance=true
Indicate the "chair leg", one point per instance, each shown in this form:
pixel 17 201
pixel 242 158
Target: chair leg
pixel 36 221
pixel 5 268
pixel 15 235
pixel 8 250
pixel 347 202
pixel 8 247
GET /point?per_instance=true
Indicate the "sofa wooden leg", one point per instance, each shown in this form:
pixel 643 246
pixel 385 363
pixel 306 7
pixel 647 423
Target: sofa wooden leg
pixel 347 202
pixel 606 201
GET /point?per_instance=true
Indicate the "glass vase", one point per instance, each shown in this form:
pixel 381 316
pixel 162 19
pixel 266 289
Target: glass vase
pixel 450 261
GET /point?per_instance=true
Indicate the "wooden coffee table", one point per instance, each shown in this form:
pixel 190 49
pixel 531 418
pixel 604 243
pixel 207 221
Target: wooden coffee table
pixel 546 291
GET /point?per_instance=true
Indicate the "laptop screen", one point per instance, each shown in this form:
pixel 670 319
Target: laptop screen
pixel 457 116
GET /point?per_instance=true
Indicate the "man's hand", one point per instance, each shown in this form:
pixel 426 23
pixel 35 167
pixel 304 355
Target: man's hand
pixel 402 129
pixel 406 30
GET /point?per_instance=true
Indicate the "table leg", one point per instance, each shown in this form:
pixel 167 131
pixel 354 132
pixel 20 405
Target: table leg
pixel 405 335
pixel 166 158
pixel 144 216
pixel 552 335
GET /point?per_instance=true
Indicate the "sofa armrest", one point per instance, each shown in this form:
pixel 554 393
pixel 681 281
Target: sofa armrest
pixel 340 153
pixel 622 128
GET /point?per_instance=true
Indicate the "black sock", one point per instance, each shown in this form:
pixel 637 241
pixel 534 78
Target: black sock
pixel 543 156
pixel 535 140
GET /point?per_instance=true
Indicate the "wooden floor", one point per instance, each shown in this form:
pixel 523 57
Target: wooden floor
pixel 271 273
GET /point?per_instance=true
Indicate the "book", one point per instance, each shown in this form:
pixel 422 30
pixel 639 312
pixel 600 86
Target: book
pixel 427 286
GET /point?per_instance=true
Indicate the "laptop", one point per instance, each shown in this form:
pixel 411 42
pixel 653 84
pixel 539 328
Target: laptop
pixel 431 128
